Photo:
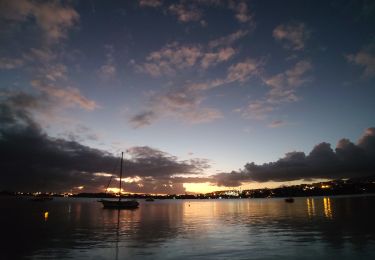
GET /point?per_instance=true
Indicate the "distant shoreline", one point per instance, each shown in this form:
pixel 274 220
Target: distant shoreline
pixel 355 186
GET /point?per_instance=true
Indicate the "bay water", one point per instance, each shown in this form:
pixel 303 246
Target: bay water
pixel 340 227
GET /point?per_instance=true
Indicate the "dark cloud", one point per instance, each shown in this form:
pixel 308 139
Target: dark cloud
pixel 143 119
pixel 30 160
pixel 147 161
pixel 232 179
pixel 347 160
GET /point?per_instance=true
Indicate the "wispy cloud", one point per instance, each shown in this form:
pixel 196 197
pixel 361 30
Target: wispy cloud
pixel 202 86
pixel 238 72
pixel 181 104
pixel 79 133
pixel 242 71
pixel 185 103
pixel 42 55
pixel 55 72
pixel 108 70
pixel 68 96
pixel 242 12
pixel 257 109
pixel 283 85
pixel 277 123
pixel 228 40
pixel 213 58
pixel 143 119
pixel 186 12
pixel 365 58
pixel 292 35
pixel 10 63
pixel 174 57
pixel 171 57
pixel 193 11
pixel 150 3
pixel 53 18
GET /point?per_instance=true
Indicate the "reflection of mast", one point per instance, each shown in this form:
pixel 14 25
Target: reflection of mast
pixel 122 154
pixel 117 232
pixel 118 210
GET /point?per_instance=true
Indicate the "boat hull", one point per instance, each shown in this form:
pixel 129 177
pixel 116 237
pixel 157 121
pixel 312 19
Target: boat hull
pixel 125 204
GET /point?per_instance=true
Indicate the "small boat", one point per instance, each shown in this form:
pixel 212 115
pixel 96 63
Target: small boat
pixel 119 204
pixel 289 200
pixel 150 199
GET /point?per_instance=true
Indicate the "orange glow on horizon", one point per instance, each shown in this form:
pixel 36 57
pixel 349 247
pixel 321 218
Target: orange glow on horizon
pixel 207 187
pixel 204 187
pixel 116 190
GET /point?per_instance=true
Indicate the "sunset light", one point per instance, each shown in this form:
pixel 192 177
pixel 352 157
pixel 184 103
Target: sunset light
pixel 187 129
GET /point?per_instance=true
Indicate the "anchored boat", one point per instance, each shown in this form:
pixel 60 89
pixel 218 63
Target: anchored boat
pixel 289 200
pixel 119 204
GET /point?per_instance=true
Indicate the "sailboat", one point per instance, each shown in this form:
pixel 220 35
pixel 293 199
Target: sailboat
pixel 120 204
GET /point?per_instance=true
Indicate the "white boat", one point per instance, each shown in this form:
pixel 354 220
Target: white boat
pixel 119 204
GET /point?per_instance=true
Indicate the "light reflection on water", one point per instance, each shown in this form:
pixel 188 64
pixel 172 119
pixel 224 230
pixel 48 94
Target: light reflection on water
pixel 321 227
pixel 310 207
pixel 327 207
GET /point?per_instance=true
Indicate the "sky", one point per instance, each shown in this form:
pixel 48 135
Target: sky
pixel 201 95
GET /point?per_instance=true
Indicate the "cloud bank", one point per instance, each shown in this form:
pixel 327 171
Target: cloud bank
pixel 31 160
pixel 345 161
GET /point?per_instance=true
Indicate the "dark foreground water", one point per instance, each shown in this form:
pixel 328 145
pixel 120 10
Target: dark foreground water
pixel 309 228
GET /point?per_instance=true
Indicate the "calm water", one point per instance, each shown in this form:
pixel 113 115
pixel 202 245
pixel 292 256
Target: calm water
pixel 322 227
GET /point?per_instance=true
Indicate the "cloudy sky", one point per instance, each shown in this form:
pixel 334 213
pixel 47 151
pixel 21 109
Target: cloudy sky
pixel 203 94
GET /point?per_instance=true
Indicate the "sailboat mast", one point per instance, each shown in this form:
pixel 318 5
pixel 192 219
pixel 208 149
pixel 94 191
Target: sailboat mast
pixel 122 155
